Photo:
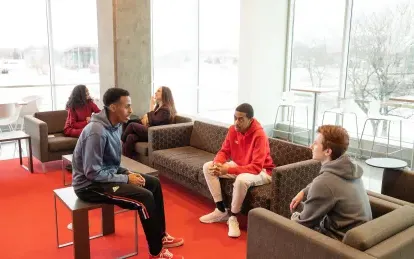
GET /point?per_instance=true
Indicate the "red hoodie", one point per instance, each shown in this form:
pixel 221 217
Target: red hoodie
pixel 250 151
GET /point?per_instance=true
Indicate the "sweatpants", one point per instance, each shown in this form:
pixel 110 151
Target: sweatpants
pixel 133 133
pixel 240 186
pixel 148 200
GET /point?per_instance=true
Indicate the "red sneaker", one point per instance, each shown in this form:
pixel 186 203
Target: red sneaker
pixel 165 254
pixel 169 241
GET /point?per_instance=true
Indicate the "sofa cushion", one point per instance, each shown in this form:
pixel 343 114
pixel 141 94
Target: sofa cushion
pixel 142 148
pixel 375 231
pixel 59 142
pixel 284 153
pixel 187 161
pixel 55 120
pixel 208 137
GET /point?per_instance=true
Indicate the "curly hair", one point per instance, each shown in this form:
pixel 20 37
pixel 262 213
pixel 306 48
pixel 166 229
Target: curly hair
pixel 335 138
pixel 77 98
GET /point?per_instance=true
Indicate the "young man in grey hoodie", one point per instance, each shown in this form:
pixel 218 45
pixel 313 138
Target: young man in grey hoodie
pixel 336 200
pixel 98 177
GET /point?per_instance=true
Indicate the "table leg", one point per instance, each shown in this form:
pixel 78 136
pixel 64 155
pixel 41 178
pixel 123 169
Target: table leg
pixel 20 151
pixel 389 177
pixel 315 116
pixel 30 156
pixel 108 219
pixel 80 231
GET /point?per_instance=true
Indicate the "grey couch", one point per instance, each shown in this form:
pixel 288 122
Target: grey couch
pixel 141 148
pixel 179 152
pixel 46 131
pixel 389 235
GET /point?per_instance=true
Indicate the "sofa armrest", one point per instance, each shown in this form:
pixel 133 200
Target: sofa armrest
pixel 38 132
pixel 389 199
pixel 288 180
pixel 399 184
pixel 272 236
pixel 168 136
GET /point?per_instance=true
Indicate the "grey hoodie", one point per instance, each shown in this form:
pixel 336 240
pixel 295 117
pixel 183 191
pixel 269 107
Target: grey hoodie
pixel 97 155
pixel 336 200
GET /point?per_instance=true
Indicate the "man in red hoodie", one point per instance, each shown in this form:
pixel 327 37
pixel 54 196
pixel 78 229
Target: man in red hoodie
pixel 245 157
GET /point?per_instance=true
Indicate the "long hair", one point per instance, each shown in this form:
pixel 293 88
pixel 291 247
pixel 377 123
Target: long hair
pixel 77 98
pixel 168 101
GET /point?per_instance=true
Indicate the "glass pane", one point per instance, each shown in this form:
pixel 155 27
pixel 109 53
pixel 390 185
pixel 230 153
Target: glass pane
pixel 219 53
pixel 381 63
pixel 24 56
pixel 317 51
pixel 75 42
pixel 175 47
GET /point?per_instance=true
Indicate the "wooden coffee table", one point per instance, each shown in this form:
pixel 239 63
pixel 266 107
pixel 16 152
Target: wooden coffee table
pixel 19 135
pixel 128 163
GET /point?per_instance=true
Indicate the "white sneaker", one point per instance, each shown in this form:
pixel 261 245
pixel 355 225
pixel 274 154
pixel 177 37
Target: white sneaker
pixel 234 230
pixel 215 216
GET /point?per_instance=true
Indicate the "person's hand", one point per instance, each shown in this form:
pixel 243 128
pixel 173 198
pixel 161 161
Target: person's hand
pixel 88 119
pixel 144 120
pixel 295 201
pixel 136 179
pixel 221 169
pixel 152 102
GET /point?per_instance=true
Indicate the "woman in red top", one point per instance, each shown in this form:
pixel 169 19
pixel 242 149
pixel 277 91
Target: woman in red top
pixel 162 112
pixel 80 108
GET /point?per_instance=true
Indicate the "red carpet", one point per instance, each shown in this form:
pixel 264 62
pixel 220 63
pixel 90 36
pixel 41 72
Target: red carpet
pixel 28 228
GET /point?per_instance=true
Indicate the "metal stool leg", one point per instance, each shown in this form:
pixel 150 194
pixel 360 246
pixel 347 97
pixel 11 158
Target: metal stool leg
pixel 375 135
pixel 360 140
pixel 388 136
pixel 275 123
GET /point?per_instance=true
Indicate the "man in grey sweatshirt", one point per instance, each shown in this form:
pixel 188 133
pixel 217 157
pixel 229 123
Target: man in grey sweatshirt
pixel 336 200
pixel 98 177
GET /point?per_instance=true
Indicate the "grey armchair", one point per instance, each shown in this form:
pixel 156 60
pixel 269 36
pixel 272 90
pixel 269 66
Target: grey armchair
pixel 46 131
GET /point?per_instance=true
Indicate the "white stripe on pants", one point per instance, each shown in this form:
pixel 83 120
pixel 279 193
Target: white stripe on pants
pixel 240 186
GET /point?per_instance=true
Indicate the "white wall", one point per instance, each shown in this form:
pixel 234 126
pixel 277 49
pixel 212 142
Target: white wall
pixel 263 30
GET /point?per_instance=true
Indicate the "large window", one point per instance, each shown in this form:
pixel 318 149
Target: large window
pixel 46 48
pixel 195 52
pixel 380 59
pixel 316 50
pixel 219 52
pixel 365 48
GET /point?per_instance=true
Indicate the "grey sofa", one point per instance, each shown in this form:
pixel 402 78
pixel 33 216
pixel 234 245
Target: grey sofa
pixel 389 235
pixel 46 131
pixel 141 148
pixel 179 152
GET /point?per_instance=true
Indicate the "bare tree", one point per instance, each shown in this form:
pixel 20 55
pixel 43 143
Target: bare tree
pixel 378 58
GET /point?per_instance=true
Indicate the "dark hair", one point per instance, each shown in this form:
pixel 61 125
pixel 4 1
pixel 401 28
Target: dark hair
pixel 77 98
pixel 246 108
pixel 335 138
pixel 168 100
pixel 112 95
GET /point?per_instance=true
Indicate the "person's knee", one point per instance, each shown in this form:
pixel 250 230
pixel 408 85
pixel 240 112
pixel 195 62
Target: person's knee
pixel 241 181
pixel 206 166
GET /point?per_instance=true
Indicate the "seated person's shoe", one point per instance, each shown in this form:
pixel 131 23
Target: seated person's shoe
pixel 165 254
pixel 170 241
pixel 215 216
pixel 234 230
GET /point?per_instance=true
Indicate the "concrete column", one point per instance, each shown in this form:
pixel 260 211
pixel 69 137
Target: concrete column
pixel 263 30
pixel 124 33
